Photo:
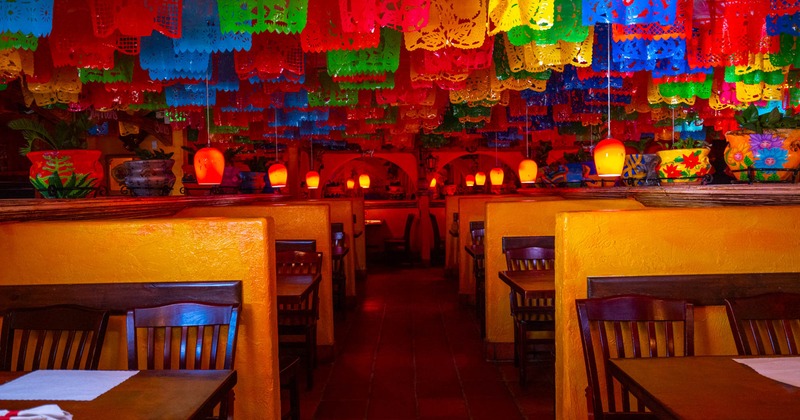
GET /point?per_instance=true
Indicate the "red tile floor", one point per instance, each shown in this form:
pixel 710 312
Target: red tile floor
pixel 410 350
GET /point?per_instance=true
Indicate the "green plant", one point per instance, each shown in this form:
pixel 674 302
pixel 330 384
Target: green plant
pixel 638 145
pixel 750 120
pixel 581 155
pixel 64 135
pixel 159 154
pixel 257 164
pixel 689 143
pixel 230 154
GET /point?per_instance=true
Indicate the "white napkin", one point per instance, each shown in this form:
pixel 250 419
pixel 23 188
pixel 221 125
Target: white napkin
pixel 43 412
pixel 784 369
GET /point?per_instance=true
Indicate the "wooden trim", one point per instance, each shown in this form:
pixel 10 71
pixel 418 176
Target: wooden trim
pixel 699 289
pixel 513 242
pixel 119 297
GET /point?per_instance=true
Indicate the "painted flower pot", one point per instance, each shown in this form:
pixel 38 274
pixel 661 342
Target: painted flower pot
pixel 640 168
pixel 66 173
pixel 683 165
pixel 252 182
pixel 772 156
pixel 147 178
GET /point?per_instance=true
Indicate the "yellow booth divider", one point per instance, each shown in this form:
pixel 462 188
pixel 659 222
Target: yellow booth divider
pixel 527 218
pixel 293 221
pixel 661 241
pixel 163 250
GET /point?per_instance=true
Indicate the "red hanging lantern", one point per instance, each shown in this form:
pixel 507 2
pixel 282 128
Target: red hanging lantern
pixel 470 180
pixel 209 164
pixel 277 175
pixel 480 179
pixel 312 180
pixel 496 176
pixel 351 183
pixel 527 171
pixel 609 157
pixel 363 181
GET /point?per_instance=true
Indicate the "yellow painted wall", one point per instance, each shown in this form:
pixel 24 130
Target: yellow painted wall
pixel 471 209
pixel 528 218
pixel 292 221
pixel 661 241
pixel 359 246
pixel 450 241
pixel 163 250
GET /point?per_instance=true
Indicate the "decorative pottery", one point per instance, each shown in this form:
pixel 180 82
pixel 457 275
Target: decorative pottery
pixel 554 175
pixel 683 165
pixel 252 182
pixel 592 180
pixel 66 173
pixel 147 178
pixel 773 156
pixel 640 169
pixel 574 174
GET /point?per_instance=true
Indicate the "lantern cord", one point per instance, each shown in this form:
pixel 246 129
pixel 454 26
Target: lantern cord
pixel 276 135
pixel 527 126
pixel 673 127
pixel 208 115
pixel 311 157
pixel 495 149
pixel 608 75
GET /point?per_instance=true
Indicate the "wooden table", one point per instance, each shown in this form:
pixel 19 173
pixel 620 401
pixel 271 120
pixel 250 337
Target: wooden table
pixel 533 284
pixel 150 394
pixel 706 387
pixel 294 288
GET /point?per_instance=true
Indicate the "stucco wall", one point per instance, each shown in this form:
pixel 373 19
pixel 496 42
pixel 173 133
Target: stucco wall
pixel 163 250
pixel 661 241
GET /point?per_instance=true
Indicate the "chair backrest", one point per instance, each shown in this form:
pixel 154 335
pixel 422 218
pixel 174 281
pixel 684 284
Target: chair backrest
pixel 298 262
pixel 56 337
pixel 630 326
pixel 305 245
pixel 511 242
pixel 476 224
pixel 765 324
pixel 530 258
pixel 476 235
pixel 207 331
pixel 437 237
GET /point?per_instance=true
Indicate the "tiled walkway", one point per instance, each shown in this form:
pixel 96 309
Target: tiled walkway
pixel 410 350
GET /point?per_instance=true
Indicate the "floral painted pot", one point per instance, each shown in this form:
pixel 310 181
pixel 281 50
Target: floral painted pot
pixel 640 168
pixel 66 173
pixel 148 178
pixel 683 165
pixel 772 155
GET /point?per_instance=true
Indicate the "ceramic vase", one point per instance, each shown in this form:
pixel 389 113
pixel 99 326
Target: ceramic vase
pixel 640 168
pixel 148 178
pixel 66 173
pixel 769 157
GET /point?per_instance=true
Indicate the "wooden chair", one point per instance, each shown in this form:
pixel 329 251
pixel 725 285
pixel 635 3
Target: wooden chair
pixel 399 249
pixel 765 324
pixel 534 319
pixel 58 337
pixel 630 326
pixel 288 372
pixel 297 323
pixel 305 245
pixel 207 331
pixel 479 275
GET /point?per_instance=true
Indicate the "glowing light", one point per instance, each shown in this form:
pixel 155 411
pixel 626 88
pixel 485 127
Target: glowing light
pixel 527 171
pixel 609 157
pixel 209 164
pixel 277 175
pixel 312 180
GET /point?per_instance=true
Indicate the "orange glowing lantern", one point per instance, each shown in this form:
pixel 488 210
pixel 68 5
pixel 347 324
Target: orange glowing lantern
pixel 351 183
pixel 470 180
pixel 480 179
pixel 609 157
pixel 209 164
pixel 312 180
pixel 496 176
pixel 277 175
pixel 433 183
pixel 363 181
pixel 527 171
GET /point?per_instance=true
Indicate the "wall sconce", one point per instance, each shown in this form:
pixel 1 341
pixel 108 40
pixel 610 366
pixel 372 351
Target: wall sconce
pixel 430 162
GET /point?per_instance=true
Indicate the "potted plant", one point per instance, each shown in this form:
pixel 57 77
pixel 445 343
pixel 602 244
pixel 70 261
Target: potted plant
pixel 766 148
pixel 640 166
pixel 151 175
pixel 685 162
pixel 253 181
pixel 61 167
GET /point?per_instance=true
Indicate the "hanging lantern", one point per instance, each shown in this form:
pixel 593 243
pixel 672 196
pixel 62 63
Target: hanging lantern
pixel 527 171
pixel 277 175
pixel 609 157
pixel 480 179
pixel 433 183
pixel 351 183
pixel 470 180
pixel 363 181
pixel 312 180
pixel 496 176
pixel 209 164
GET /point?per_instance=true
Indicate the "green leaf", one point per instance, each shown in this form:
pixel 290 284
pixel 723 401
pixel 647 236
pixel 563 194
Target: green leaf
pixel 748 162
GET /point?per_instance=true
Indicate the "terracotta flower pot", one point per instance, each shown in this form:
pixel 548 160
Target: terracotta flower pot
pixel 683 165
pixel 73 173
pixel 772 156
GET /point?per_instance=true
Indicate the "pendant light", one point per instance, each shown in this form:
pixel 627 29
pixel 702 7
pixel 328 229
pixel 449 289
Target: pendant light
pixel 312 176
pixel 496 175
pixel 480 179
pixel 527 168
pixel 609 154
pixel 351 183
pixel 209 162
pixel 277 172
pixel 432 185
pixel 469 180
pixel 363 181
